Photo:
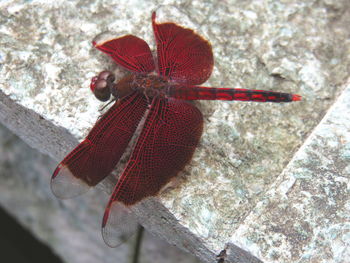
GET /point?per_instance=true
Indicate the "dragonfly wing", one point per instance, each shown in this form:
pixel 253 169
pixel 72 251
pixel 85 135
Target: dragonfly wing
pixel 130 52
pixel 183 55
pixel 166 144
pixel 95 157
pixel 121 225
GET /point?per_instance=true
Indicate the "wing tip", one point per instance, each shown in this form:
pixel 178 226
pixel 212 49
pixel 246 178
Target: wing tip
pixel 65 185
pixel 118 224
pixel 101 39
pixel 153 16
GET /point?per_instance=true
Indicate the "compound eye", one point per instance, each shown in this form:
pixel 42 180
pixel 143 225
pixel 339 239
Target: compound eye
pixel 102 85
pixel 108 76
pixel 102 90
pixel 105 74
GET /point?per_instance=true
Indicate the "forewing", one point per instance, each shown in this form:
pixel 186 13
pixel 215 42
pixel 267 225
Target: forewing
pixel 130 52
pixel 183 55
pixel 166 144
pixel 95 157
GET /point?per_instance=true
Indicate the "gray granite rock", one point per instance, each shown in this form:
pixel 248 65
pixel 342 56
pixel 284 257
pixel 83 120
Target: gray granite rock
pixel 292 46
pixel 305 215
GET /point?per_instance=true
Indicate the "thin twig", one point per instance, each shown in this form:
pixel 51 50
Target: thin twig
pixel 137 248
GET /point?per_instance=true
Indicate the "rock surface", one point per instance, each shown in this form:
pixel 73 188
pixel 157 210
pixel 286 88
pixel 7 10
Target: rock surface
pixel 301 47
pixel 305 216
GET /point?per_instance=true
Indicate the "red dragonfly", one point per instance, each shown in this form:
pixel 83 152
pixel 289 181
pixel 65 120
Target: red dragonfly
pixel 159 89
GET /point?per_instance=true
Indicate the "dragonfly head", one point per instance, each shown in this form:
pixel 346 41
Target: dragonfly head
pixel 102 85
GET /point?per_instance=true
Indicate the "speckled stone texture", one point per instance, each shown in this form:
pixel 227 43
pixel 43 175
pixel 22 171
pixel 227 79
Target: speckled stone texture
pixel 305 215
pixel 228 205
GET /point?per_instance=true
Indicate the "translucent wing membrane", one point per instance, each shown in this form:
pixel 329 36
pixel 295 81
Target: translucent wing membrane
pixel 64 184
pixel 166 144
pixel 183 56
pixel 121 224
pixel 130 52
pixel 94 158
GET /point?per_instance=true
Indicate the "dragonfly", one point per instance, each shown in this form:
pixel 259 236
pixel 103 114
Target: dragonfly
pixel 158 90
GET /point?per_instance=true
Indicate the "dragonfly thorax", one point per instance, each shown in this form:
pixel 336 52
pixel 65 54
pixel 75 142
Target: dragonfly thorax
pixel 150 85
